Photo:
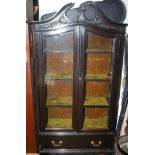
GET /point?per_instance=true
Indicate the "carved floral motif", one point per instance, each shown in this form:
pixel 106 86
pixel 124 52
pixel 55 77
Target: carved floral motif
pixel 61 20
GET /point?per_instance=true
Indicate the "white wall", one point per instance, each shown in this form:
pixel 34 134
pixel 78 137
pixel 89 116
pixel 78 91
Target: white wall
pixel 126 3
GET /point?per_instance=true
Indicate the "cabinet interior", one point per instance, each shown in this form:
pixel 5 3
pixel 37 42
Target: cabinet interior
pixel 59 118
pixel 59 62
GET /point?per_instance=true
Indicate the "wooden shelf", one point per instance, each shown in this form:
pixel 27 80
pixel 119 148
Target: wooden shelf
pixel 53 100
pixel 58 51
pixel 95 123
pixel 59 123
pixel 58 76
pixel 102 50
pixel 97 77
pixel 96 101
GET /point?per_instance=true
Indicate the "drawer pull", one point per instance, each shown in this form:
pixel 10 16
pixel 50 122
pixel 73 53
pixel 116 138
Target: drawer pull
pixel 59 144
pixel 93 143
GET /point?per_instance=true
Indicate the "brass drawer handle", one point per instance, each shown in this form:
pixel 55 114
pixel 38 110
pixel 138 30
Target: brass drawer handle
pixel 93 143
pixel 59 144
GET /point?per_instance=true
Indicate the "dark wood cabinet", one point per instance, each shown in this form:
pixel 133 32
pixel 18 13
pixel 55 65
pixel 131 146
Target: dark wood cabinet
pixel 76 65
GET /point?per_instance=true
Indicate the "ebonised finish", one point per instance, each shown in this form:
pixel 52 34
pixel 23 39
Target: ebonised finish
pixel 88 18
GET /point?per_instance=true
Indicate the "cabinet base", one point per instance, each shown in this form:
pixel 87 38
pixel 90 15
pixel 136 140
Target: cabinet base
pixel 76 152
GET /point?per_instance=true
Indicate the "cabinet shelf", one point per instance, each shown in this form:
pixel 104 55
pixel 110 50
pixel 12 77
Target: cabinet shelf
pixel 95 106
pixel 96 101
pixel 58 51
pixel 98 77
pixel 53 100
pixel 102 50
pixel 59 123
pixel 90 123
pixel 59 106
pixel 58 76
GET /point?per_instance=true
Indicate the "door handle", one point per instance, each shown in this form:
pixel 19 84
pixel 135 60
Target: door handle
pixel 59 144
pixel 93 143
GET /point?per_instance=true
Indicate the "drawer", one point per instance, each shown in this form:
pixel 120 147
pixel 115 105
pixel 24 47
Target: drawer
pixel 77 141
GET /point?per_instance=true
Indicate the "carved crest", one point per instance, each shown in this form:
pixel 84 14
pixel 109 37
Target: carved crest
pixel 87 13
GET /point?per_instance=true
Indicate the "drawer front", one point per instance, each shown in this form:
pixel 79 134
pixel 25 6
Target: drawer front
pixel 77 142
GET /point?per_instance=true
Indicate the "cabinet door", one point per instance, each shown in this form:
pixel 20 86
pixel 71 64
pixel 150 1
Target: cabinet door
pixel 97 81
pixel 58 80
pixel 83 97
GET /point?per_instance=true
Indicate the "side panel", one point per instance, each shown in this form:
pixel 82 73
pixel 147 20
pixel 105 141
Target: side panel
pixel 30 127
pixel 116 81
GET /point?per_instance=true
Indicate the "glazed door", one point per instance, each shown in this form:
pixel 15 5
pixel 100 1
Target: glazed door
pixel 58 64
pixel 78 80
pixel 98 108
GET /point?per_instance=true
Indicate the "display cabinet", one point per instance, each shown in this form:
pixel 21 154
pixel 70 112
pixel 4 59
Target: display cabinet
pixel 76 60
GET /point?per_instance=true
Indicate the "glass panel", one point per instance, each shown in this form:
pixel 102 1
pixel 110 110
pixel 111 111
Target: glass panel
pixel 98 70
pixel 61 42
pixel 98 66
pixel 97 92
pixel 59 92
pixel 58 57
pixel 59 69
pixel 59 65
pixel 99 43
pixel 96 118
pixel 59 118
pixel 98 76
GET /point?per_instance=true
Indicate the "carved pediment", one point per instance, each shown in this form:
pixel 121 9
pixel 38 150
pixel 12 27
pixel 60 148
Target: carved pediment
pixel 86 14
